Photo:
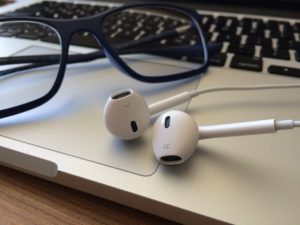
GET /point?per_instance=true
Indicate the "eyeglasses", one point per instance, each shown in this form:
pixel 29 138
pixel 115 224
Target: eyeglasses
pixel 29 78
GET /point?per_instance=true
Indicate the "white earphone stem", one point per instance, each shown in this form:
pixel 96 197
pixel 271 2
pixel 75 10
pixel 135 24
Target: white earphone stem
pixel 245 128
pixel 237 129
pixel 175 134
pixel 169 102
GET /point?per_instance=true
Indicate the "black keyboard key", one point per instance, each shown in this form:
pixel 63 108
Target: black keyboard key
pixel 286 44
pixel 58 10
pixel 207 18
pixel 207 21
pixel 247 63
pixel 232 21
pixel 206 27
pixel 275 53
pixel 235 39
pixel 220 20
pixel 283 70
pixel 208 36
pixel 297 46
pixel 26 11
pixel 280 29
pixel 250 23
pixel 254 40
pixel 246 23
pixel 275 34
pixel 287 27
pixel 273 25
pixel 226 29
pixel 218 59
pixel 226 24
pixel 296 27
pixel 248 50
pixel 254 32
pixel 297 55
pixel 287 35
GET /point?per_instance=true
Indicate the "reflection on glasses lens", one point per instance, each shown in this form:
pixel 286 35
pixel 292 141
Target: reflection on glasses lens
pixel 27 74
pixel 163 39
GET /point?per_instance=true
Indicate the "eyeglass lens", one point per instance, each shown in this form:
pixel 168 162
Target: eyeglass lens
pixel 164 42
pixel 167 40
pixel 21 78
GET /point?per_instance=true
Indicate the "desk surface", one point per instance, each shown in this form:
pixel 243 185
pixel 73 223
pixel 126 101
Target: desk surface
pixel 25 199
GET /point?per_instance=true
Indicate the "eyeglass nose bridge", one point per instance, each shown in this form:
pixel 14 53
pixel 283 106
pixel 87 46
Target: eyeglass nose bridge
pixel 79 37
pixel 86 38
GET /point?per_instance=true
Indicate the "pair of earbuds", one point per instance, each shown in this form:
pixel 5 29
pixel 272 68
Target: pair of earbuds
pixel 175 134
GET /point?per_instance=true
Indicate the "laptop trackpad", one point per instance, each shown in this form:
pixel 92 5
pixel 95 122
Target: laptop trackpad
pixel 72 122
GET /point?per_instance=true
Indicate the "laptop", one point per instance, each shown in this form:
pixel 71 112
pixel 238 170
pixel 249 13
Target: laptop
pixel 233 180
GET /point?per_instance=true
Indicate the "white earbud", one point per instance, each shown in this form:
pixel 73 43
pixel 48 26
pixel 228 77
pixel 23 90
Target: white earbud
pixel 127 114
pixel 175 134
pixel 174 137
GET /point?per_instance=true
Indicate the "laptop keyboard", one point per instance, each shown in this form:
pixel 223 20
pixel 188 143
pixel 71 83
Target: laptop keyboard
pixel 247 42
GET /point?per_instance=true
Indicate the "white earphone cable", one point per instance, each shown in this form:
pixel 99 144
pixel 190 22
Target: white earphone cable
pixel 188 95
pixel 288 124
pixel 195 93
pixel 296 123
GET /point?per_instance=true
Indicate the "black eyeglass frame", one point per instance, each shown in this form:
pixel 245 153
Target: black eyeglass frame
pixel 67 28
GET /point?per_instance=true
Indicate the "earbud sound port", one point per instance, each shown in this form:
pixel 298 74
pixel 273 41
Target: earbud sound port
pixel 121 95
pixel 171 158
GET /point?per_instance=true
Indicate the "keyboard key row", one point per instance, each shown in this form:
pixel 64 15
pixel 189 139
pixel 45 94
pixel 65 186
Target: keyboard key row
pixel 249 40
pixel 256 64
pixel 265 51
pixel 247 63
pixel 283 70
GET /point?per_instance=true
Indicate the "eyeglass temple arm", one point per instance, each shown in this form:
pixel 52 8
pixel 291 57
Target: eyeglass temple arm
pixel 187 50
pixel 43 60
pixel 128 44
pixel 213 48
pixel 47 60
pixel 89 56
